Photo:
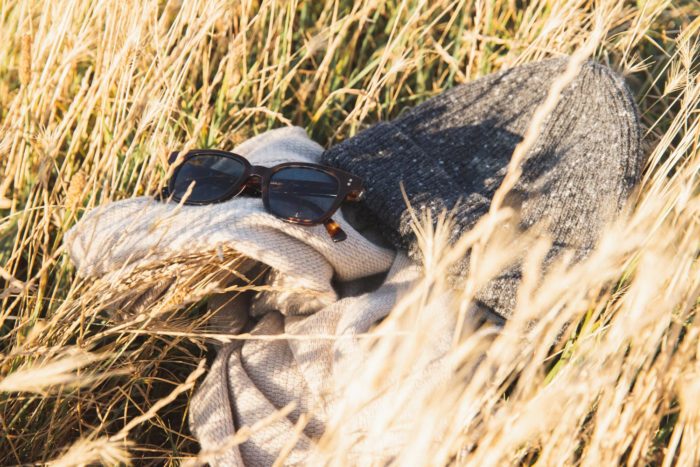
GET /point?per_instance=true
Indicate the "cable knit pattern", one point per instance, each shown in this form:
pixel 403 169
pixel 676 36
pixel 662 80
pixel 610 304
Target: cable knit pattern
pixel 454 148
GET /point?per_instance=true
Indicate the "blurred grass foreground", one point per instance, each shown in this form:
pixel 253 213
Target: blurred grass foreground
pixel 93 96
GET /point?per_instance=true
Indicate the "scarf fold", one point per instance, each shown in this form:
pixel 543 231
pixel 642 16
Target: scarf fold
pixel 323 296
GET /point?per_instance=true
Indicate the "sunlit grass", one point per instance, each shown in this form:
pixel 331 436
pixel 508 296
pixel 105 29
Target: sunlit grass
pixel 95 94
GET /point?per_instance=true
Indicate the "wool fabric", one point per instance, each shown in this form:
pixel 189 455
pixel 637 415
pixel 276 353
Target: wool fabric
pixel 316 288
pixel 121 236
pixel 451 152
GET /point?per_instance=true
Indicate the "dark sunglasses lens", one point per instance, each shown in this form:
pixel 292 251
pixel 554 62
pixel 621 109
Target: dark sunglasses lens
pixel 211 177
pixel 302 193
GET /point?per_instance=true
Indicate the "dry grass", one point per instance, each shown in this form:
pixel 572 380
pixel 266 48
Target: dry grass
pixel 94 94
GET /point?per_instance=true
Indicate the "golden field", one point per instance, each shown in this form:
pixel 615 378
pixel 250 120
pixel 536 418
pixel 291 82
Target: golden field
pixel 95 94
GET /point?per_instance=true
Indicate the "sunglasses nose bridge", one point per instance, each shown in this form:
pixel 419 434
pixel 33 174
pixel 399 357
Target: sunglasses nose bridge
pixel 258 171
pixel 253 183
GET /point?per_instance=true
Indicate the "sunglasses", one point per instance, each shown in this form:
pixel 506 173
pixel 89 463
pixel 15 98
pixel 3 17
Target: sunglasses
pixel 299 193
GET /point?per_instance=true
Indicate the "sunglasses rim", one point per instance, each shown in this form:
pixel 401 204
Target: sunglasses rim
pixel 350 187
pixel 235 189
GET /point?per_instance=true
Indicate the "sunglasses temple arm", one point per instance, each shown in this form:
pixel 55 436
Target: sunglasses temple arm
pixel 337 234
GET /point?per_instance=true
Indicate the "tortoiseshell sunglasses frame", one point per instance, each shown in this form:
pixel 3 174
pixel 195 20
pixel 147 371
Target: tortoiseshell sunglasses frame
pixel 256 180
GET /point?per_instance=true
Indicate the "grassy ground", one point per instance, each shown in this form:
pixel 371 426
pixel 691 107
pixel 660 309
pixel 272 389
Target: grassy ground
pixel 93 96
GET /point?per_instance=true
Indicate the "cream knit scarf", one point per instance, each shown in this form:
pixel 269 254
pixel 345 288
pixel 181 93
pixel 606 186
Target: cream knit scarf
pixel 252 379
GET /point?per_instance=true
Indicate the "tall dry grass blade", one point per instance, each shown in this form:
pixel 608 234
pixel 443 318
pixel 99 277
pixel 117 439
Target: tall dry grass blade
pixel 52 374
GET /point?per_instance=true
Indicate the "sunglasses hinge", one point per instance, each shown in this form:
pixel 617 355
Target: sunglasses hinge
pixel 356 195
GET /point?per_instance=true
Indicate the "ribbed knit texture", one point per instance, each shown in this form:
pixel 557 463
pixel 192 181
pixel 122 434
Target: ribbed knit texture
pixel 456 146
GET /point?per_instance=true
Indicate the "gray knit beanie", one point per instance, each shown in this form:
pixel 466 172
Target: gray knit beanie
pixel 456 147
